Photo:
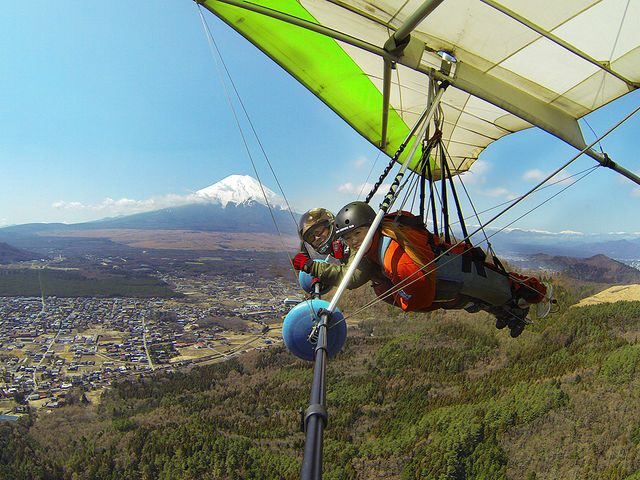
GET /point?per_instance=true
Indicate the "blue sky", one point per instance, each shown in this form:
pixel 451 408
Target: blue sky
pixel 107 108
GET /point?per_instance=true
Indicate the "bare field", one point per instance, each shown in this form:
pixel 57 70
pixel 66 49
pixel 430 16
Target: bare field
pixel 618 293
pixel 189 239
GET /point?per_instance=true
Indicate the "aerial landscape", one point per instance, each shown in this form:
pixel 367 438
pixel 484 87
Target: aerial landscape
pixel 123 351
pixel 215 212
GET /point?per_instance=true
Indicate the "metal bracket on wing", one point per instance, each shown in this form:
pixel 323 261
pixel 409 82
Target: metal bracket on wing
pixel 409 52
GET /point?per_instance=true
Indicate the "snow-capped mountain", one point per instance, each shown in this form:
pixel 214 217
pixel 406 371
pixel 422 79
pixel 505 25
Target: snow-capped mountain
pixel 234 204
pixel 239 189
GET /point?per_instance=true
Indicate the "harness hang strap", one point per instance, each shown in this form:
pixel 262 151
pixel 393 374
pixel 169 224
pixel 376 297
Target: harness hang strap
pixel 445 207
pixel 423 174
pixel 455 196
pixel 427 147
pixel 432 200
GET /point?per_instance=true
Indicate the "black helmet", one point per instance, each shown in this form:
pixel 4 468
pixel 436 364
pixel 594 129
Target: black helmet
pixel 312 221
pixel 354 215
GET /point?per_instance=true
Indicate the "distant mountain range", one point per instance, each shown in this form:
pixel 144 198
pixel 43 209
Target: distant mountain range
pixel 246 217
pixel 235 204
pixel 599 268
pixel 519 242
pixel 232 214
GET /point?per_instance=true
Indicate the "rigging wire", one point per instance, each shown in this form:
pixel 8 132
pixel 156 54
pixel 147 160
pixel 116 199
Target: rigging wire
pixel 402 284
pixel 613 49
pixel 588 172
pixel 594 134
pixel 484 232
pixel 392 290
pixel 549 177
pixel 513 204
pixel 544 187
pixel 461 217
pixel 364 184
pixel 412 179
pixel 213 46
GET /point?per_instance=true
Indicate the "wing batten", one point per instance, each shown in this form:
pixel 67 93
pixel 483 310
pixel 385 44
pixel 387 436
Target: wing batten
pixel 559 41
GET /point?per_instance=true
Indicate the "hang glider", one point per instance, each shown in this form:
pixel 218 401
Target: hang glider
pixel 510 65
pixel 477 68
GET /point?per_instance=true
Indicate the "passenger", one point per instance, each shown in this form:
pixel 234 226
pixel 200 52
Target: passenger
pixel 317 228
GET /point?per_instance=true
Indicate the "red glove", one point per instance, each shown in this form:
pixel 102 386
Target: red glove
pixel 302 262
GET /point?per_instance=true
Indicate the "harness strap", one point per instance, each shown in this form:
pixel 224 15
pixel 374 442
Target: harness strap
pixel 475 256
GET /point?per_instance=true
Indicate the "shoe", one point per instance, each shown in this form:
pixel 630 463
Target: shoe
pixel 517 320
pixel 544 307
pixel 512 316
pixel 501 322
pixel 516 328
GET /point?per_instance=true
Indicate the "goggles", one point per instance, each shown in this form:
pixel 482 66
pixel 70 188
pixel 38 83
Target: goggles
pixel 317 234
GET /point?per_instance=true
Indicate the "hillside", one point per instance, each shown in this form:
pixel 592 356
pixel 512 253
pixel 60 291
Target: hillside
pixel 418 396
pixel 524 242
pixel 9 254
pixel 246 217
pixel 619 293
pixel 206 226
pixel 599 268
pixel 229 215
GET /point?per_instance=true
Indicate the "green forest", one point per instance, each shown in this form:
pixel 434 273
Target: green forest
pixel 443 395
pixel 59 283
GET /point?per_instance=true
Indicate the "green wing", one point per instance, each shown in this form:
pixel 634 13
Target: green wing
pixel 519 64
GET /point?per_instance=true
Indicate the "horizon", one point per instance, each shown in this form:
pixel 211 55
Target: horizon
pixel 103 122
pixel 204 196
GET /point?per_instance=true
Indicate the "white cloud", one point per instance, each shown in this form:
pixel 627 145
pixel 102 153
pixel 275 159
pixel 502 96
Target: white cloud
pixel 347 188
pixel 635 192
pixel 477 174
pixel 534 175
pixel 543 232
pixel 67 205
pixel 362 189
pixel 127 206
pixel 360 162
pixel 496 192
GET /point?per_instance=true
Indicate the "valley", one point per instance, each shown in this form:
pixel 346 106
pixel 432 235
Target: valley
pixel 188 239
pixel 80 336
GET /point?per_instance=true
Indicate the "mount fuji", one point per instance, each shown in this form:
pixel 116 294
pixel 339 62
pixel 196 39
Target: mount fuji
pixel 234 204
pixel 239 189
